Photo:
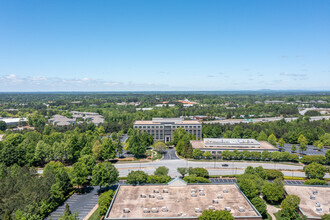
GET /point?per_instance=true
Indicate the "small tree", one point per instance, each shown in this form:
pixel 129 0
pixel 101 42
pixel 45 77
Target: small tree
pixel 303 143
pixel 79 174
pixel 207 154
pixel 320 145
pixel 89 161
pixel 272 140
pixel 216 214
pixel 104 174
pixel 67 215
pixel 325 217
pixel 104 201
pixel 281 143
pixel 137 177
pixel 293 148
pixel 160 147
pixel 273 193
pixel 161 171
pixel 260 205
pixel 262 136
pixel 290 206
pixel 314 171
pixel 197 153
pixel 183 171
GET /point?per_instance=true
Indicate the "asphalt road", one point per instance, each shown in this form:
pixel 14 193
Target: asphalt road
pixel 170 155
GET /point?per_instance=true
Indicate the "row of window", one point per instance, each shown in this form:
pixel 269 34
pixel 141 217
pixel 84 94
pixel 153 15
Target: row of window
pixel 153 126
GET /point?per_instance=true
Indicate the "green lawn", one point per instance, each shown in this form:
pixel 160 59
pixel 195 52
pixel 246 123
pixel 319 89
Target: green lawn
pixel 95 216
pixel 278 216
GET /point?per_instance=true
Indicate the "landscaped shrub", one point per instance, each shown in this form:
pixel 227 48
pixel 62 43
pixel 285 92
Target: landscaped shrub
pixel 195 179
pixel 199 172
pixel 104 201
pixel 315 182
pixel 274 174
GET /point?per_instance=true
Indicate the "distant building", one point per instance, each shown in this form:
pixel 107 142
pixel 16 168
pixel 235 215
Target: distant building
pixel 162 128
pixel 60 120
pixel 13 121
pixel 217 145
pixel 90 117
pixel 274 102
pixel 179 200
pixel 144 109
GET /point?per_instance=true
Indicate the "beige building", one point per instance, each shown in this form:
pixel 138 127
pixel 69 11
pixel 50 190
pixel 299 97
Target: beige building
pixel 162 128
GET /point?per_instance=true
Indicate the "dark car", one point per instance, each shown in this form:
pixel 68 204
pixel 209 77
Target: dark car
pixel 225 165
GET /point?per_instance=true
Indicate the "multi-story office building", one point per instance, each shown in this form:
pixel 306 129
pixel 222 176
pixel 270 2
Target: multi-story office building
pixel 162 128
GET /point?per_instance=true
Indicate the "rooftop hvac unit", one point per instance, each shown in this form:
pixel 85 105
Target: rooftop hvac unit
pixel 198 210
pixel 165 190
pixel 219 196
pixel 126 210
pixel 315 192
pixel 154 210
pixel 215 201
pixel 227 209
pixel 193 190
pixel 193 195
pixel 156 191
pixel 159 197
pixel 201 190
pixel 146 210
pixel 225 191
pixel 202 194
pixel 164 209
pixel 319 209
pixel 241 209
pixel 317 204
pixel 180 214
pixel 143 196
pixel 312 197
pixel 151 196
pixel 211 207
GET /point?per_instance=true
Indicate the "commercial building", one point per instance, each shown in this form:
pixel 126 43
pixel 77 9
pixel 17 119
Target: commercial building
pixel 13 121
pixel 217 145
pixel 162 128
pixel 90 117
pixel 314 200
pixel 179 200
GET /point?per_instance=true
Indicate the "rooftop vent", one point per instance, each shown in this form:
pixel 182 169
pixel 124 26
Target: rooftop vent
pixel 319 209
pixel 219 196
pixel 315 192
pixel 202 194
pixel 201 190
pixel 143 196
pixel 241 209
pixel 180 214
pixel 215 201
pixel 317 204
pixel 211 207
pixel 312 197
pixel 193 190
pixel 165 190
pixel 126 210
pixel 151 196
pixel 198 210
pixel 193 195
pixel 225 191
pixel 164 209
pixel 156 191
pixel 227 209
pixel 146 210
pixel 160 197
pixel 154 210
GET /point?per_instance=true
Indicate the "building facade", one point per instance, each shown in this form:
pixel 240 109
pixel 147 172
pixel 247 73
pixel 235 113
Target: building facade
pixel 162 128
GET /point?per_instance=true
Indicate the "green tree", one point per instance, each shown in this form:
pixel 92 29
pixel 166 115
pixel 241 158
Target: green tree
pixel 3 126
pixel 89 161
pixel 161 171
pixel 293 148
pixel 199 172
pixel 248 187
pixel 327 157
pixel 178 134
pixel 303 143
pixel 104 174
pixel 314 171
pixel 67 215
pixel 97 150
pixel 273 193
pixel 290 206
pixel 79 174
pixel 215 214
pixel 160 147
pixel 183 171
pixel 272 140
pixel 197 153
pixel 262 136
pixel 104 201
pixel 325 217
pixel 281 143
pixel 260 205
pixel 195 179
pixel 207 154
pixel 108 149
pixel 137 177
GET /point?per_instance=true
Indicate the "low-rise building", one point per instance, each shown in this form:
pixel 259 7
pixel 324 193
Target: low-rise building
pixel 13 121
pixel 162 128
pixel 179 200
pixel 217 145
pixel 60 120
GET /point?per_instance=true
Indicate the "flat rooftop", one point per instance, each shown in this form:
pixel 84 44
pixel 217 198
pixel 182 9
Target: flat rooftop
pixel 308 205
pixel 178 201
pixel 159 121
pixel 264 145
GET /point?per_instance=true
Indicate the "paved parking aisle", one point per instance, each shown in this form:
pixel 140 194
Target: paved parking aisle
pixel 80 203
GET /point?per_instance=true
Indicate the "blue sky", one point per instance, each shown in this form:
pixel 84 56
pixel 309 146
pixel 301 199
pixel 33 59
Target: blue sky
pixel 142 45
